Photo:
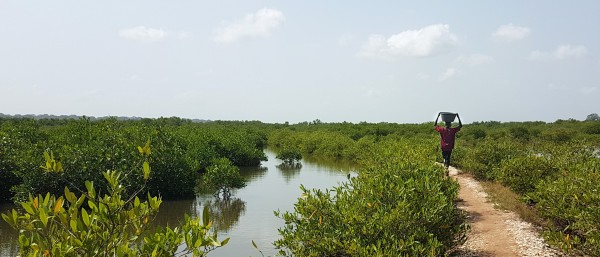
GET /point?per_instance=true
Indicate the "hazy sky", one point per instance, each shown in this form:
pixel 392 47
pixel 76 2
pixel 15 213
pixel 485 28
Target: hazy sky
pixel 277 61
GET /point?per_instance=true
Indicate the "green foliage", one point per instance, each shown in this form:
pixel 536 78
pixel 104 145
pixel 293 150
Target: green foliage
pixel 572 203
pixel 86 148
pixel 520 133
pixel 592 128
pixel 289 156
pixel 593 117
pixel 522 173
pixel 484 159
pixel 7 166
pixel 559 135
pixel 479 133
pixel 399 205
pixel 555 170
pixel 108 225
pixel 221 177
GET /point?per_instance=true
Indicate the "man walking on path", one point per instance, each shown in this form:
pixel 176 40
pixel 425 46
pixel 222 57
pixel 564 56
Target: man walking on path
pixel 447 136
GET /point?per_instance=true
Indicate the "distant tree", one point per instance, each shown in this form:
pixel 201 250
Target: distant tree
pixel 593 117
pixel 289 156
pixel 222 176
pixel 520 133
pixel 479 133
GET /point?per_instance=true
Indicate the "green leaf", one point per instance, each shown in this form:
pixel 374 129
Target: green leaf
pixel 47 199
pixel 90 187
pixel 253 243
pixel 155 252
pixel 8 219
pixel 86 217
pixel 205 216
pixel 23 240
pixel 70 195
pixel 92 206
pixel 73 224
pixel 43 216
pixel 224 242
pixel 28 208
pixel 146 170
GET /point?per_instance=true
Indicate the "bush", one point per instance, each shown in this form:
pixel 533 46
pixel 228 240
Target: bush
pixel 484 159
pixel 559 135
pixel 289 156
pixel 520 133
pixel 108 225
pixel 399 205
pixel 221 177
pixel 479 133
pixel 89 148
pixel 572 203
pixel 592 128
pixel 522 173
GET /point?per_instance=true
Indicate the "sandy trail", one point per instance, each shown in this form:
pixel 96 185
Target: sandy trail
pixel 495 232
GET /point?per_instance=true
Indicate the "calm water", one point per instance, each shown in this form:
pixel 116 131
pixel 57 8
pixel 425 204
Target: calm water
pixel 248 215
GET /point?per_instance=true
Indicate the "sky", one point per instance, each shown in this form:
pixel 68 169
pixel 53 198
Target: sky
pixel 295 61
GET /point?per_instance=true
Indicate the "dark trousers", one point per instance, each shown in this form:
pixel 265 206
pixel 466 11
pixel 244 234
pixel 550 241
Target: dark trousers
pixel 446 156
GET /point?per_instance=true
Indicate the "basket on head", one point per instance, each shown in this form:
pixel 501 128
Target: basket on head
pixel 448 116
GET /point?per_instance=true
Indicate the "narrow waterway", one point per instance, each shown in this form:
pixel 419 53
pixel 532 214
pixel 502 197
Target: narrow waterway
pixel 248 215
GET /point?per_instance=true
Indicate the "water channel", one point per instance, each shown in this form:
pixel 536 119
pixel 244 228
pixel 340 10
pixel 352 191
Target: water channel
pixel 249 214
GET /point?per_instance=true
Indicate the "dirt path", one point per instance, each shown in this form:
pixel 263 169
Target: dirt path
pixel 495 232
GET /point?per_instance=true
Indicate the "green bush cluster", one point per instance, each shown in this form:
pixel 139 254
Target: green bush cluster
pixel 572 203
pixel 221 177
pixel 289 156
pixel 522 173
pixel 183 150
pixel 342 140
pixel 555 169
pixel 400 204
pixel 104 225
pixel 484 159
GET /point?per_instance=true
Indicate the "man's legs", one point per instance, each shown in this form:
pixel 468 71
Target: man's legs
pixel 446 155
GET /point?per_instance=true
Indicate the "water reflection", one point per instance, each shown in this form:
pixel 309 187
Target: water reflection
pixel 8 236
pixel 225 213
pixel 253 173
pixel 248 215
pixel 172 212
pixel 289 171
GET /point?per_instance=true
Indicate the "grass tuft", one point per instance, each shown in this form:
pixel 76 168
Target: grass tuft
pixel 505 199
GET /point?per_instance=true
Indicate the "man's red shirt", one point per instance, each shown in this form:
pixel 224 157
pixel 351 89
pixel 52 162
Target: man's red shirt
pixel 447 135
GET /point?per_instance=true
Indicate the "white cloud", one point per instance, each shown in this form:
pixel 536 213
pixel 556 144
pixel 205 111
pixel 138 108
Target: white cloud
pixel 346 39
pixel 428 41
pixel 422 76
pixel 448 74
pixel 261 23
pixel 588 90
pixel 184 35
pixel 511 33
pixel 560 53
pixel 143 34
pixel 569 51
pixel 475 59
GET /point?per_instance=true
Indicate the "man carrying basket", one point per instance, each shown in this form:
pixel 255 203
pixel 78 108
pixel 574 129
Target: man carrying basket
pixel 447 134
